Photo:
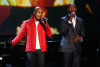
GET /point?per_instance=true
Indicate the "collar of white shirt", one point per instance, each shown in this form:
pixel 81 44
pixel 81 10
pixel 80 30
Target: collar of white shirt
pixel 73 21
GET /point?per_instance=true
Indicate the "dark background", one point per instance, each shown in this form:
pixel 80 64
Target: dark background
pixel 18 14
pixel 91 44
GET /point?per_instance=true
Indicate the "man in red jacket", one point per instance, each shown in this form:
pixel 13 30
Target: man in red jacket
pixel 35 29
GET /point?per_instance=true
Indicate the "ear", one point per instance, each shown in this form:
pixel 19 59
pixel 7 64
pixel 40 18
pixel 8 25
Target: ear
pixel 34 13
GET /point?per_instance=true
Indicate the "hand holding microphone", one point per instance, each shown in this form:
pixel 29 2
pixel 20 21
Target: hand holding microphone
pixel 72 14
pixel 44 20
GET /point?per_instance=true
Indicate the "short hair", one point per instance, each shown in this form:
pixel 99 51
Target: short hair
pixel 37 8
pixel 71 4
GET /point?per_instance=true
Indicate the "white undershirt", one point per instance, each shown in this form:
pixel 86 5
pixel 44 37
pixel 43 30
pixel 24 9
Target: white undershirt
pixel 37 36
pixel 74 24
pixel 73 21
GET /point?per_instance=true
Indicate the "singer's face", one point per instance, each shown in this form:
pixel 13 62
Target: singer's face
pixel 38 13
pixel 72 8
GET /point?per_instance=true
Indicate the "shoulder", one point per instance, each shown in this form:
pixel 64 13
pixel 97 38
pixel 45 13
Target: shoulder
pixel 63 18
pixel 25 21
pixel 79 19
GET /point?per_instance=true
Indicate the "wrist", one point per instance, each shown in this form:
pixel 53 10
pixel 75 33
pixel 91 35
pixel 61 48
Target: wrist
pixel 45 24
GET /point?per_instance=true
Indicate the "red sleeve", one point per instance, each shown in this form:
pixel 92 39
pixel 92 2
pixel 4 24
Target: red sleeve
pixel 20 35
pixel 48 31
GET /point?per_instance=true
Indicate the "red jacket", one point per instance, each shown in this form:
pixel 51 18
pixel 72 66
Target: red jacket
pixel 29 28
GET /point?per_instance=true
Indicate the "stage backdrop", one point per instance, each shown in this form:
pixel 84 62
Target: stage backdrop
pixel 14 12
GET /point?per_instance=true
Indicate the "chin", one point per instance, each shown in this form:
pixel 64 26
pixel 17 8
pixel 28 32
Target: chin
pixel 39 19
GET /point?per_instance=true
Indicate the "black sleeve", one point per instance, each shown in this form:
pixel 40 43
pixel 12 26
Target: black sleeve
pixel 64 26
pixel 82 30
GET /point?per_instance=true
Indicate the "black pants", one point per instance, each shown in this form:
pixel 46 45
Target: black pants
pixel 35 59
pixel 70 59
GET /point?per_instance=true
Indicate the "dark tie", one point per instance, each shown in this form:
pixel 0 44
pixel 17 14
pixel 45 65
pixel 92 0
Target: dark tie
pixel 73 30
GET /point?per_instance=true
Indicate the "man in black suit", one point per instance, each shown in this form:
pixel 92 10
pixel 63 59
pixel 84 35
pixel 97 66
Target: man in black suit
pixel 72 29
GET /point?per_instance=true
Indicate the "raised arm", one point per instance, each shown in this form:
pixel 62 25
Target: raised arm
pixel 64 26
pixel 47 30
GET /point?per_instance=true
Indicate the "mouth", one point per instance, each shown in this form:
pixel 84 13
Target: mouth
pixel 39 16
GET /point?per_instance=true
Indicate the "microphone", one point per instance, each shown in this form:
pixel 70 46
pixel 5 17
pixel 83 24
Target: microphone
pixel 73 12
pixel 44 18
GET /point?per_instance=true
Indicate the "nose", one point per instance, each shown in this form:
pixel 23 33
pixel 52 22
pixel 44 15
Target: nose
pixel 71 9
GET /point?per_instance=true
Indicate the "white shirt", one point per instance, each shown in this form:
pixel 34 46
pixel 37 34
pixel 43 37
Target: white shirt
pixel 73 21
pixel 74 24
pixel 37 36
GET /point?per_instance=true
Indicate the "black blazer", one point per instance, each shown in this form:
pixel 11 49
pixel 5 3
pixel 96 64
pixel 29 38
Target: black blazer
pixel 68 32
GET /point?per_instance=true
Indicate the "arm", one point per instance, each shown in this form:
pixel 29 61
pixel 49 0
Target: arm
pixel 47 30
pixel 82 30
pixel 64 26
pixel 82 34
pixel 20 35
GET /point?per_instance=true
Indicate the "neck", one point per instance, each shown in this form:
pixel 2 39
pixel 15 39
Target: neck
pixel 35 18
